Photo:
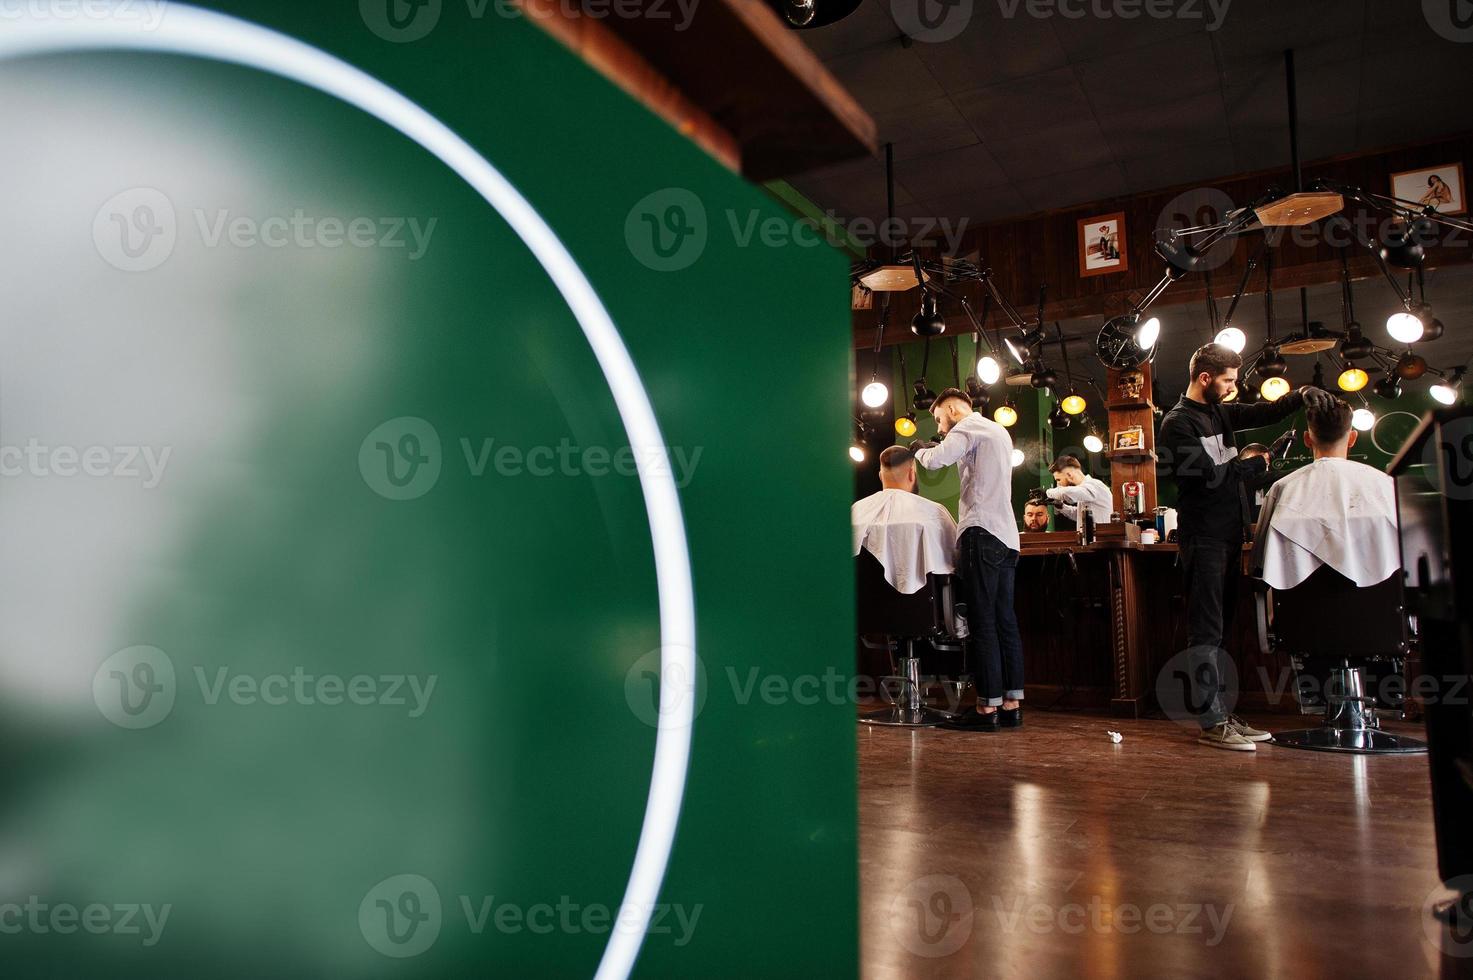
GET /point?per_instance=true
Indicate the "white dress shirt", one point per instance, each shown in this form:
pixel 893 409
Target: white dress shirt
pixel 909 535
pixel 983 453
pixel 1332 512
pixel 1093 494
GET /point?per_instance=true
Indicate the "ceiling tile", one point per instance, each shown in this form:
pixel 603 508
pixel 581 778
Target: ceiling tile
pixel 1108 29
pixel 1174 70
pixel 1023 106
pixel 1181 165
pixel 1255 34
pixel 1070 146
pixel 1074 187
pixel 952 172
pixel 924 129
pixel 993 47
pixel 886 77
pixel 870 25
pixel 1145 130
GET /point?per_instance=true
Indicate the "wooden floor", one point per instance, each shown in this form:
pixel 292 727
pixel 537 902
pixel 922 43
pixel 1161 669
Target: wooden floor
pixel 1052 852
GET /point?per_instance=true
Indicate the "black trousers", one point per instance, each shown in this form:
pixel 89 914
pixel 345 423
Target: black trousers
pixel 988 569
pixel 1211 569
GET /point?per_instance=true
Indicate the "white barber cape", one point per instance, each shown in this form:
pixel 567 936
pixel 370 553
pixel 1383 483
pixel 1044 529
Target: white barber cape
pixel 909 535
pixel 1332 512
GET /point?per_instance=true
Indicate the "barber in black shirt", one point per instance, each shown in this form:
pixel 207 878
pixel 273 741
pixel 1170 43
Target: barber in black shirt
pixel 1196 444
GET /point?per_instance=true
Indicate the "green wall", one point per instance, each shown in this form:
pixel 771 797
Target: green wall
pixel 277 833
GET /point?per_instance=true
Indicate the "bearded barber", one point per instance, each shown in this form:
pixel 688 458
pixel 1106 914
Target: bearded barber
pixel 1196 443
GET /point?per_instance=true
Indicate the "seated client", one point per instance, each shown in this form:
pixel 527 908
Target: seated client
pixel 1035 515
pixel 1332 512
pixel 909 535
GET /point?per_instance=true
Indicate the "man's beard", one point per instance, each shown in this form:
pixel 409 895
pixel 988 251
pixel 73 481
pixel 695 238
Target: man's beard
pixel 1210 395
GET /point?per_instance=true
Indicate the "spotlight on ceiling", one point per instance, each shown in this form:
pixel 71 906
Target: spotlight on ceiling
pixel 1402 246
pixel 856 452
pixel 924 397
pixel 1272 365
pixel 1015 349
pixel 1073 403
pixel 1120 343
pixel 874 394
pixel 1388 387
pixel 928 322
pixel 1044 377
pixel 1093 443
pixel 1275 388
pixel 1355 345
pixel 1363 419
pixel 1232 338
pixel 1018 458
pixel 1352 378
pixel 1410 366
pixel 1058 418
pixel 1247 391
pixel 1006 414
pixel 988 370
pixel 803 15
pixel 1448 390
pixel 1180 257
pixel 905 426
pixel 1404 327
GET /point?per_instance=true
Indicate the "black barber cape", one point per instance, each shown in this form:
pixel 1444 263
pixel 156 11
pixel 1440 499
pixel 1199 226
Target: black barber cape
pixel 1197 445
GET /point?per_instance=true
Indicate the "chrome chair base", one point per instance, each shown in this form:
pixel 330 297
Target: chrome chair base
pixel 901 716
pixel 1350 722
pixel 1371 741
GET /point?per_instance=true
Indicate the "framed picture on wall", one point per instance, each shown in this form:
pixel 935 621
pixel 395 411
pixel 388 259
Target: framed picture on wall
pixel 1102 244
pixel 1132 438
pixel 1439 187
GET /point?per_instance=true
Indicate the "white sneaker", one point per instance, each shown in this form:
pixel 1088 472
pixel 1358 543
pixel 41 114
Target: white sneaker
pixel 1248 731
pixel 1225 736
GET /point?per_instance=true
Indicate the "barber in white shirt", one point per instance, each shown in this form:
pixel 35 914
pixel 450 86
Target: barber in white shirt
pixel 911 537
pixel 1334 511
pixel 987 559
pixel 1072 489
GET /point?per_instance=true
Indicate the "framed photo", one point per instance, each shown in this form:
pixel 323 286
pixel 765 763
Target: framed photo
pixel 1440 187
pixel 1133 438
pixel 1102 244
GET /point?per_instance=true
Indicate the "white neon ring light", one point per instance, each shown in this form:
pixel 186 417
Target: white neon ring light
pixel 204 34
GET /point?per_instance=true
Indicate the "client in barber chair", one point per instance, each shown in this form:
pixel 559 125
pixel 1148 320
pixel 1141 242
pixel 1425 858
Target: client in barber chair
pixel 909 535
pixel 1334 511
pixel 1035 513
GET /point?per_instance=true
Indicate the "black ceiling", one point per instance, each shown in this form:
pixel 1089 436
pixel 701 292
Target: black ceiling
pixel 1019 114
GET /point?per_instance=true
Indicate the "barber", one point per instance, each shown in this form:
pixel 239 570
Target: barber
pixel 1212 511
pixel 987 558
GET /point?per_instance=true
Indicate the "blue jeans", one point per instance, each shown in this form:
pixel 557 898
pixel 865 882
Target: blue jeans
pixel 988 569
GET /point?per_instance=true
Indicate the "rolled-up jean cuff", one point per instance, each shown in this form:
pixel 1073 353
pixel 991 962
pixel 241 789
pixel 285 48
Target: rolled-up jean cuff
pixel 994 702
pixel 1013 696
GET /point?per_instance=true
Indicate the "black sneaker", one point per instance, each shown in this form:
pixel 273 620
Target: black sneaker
pixel 1010 717
pixel 972 720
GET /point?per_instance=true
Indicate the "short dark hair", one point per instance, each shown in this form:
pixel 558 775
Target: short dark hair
pixel 947 394
pixel 895 457
pixel 1214 359
pixel 1064 462
pixel 1328 425
pixel 1035 503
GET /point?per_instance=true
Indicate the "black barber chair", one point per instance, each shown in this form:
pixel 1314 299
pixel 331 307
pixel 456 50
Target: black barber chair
pixel 1334 633
pixel 930 615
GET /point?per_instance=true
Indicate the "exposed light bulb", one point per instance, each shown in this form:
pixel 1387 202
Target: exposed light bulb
pixel 1353 379
pixel 905 426
pixel 1363 419
pixel 988 370
pixel 1446 394
pixel 1072 404
pixel 1232 338
pixel 1275 388
pixel 1005 415
pixel 1093 443
pixel 1148 333
pixel 874 394
pixel 1404 327
pixel 1017 458
pixel 856 453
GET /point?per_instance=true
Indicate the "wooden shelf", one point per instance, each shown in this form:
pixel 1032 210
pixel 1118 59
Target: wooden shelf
pixel 1131 455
